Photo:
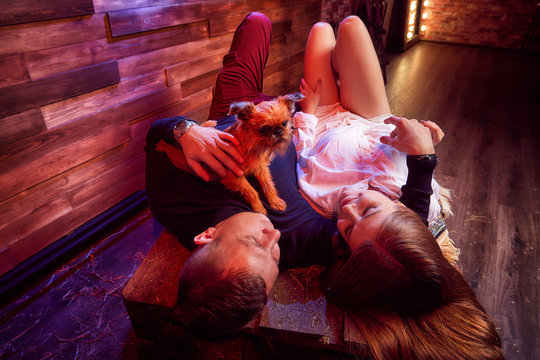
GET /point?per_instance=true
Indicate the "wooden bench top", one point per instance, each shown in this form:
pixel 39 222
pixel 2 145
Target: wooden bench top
pixel 297 310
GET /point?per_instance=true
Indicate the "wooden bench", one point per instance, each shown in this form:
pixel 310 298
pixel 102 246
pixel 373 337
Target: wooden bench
pixel 297 312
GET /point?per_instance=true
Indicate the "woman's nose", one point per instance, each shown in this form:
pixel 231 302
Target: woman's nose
pixel 350 211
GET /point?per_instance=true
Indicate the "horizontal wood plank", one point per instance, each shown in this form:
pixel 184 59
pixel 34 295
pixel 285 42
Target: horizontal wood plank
pixel 220 25
pixel 54 152
pixel 283 77
pixel 53 60
pixel 110 5
pixel 24 11
pixel 17 98
pixel 193 68
pixel 13 70
pixel 196 84
pixel 292 44
pixel 156 279
pixel 77 107
pixel 20 126
pixel 298 312
pixel 169 56
pixel 306 14
pixel 131 21
pixel 50 34
pixel 200 115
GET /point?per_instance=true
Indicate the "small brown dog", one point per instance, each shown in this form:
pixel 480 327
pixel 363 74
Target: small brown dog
pixel 263 130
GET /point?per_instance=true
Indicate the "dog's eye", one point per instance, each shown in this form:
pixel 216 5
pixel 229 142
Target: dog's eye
pixel 266 130
pixel 284 124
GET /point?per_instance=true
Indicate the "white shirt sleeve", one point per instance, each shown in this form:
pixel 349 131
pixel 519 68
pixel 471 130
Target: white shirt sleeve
pixel 305 130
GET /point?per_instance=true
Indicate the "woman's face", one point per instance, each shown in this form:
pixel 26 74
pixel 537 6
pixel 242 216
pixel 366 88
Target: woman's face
pixel 361 214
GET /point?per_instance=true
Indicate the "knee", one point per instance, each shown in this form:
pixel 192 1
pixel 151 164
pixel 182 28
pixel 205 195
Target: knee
pixel 259 18
pixel 322 28
pixel 351 20
pixel 352 25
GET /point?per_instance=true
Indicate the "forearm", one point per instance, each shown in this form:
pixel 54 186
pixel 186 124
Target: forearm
pixel 416 192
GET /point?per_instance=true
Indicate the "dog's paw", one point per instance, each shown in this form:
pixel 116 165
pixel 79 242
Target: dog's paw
pixel 258 207
pixel 278 204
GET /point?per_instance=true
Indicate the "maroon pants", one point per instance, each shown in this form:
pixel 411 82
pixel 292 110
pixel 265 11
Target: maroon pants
pixel 241 78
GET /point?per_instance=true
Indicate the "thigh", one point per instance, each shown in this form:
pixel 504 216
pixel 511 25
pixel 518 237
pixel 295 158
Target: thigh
pixel 362 88
pixel 320 43
pixel 241 78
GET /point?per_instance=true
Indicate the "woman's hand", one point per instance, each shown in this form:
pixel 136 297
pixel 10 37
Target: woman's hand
pixel 436 132
pixel 213 148
pixel 411 136
pixel 312 96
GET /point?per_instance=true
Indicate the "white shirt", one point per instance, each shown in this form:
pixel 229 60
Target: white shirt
pixel 337 149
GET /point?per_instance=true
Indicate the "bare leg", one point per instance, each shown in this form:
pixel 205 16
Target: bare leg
pixel 362 88
pixel 320 43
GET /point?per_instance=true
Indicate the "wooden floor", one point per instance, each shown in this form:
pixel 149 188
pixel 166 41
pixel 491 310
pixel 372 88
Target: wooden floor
pixel 487 101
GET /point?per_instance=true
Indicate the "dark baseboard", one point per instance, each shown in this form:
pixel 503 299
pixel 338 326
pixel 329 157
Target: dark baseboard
pixel 24 275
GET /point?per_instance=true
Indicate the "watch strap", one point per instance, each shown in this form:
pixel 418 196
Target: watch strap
pixel 426 157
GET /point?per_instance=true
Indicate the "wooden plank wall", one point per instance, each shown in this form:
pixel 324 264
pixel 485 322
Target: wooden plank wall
pixel 80 83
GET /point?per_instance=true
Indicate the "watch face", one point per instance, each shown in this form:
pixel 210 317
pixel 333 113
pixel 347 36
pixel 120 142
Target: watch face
pixel 181 128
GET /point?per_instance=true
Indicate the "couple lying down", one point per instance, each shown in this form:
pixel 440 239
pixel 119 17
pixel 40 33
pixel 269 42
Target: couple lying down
pixel 366 194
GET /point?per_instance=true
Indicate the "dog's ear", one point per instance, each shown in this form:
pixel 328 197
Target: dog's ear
pixel 292 99
pixel 243 110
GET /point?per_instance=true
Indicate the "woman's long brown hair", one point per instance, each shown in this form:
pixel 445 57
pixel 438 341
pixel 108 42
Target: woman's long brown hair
pixel 408 302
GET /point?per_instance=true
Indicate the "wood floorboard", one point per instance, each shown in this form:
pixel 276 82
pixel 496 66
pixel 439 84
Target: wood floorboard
pixel 486 100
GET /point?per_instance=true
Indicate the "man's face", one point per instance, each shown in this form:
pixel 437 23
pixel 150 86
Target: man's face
pixel 250 240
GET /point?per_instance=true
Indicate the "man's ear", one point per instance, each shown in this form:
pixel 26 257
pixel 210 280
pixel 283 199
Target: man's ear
pixel 207 236
pixel 243 110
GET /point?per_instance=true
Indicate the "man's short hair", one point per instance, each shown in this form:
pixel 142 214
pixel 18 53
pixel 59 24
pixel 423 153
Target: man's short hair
pixel 215 299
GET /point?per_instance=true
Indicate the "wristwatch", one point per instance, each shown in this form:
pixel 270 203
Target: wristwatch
pixel 181 127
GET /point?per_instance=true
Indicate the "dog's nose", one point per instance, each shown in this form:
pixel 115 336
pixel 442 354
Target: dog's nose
pixel 278 131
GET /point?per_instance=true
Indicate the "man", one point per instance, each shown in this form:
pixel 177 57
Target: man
pixel 225 282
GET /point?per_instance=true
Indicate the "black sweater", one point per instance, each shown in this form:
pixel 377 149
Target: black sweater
pixel 188 205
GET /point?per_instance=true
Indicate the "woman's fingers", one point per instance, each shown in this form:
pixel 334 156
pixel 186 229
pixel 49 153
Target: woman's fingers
pixel 409 136
pixel 436 132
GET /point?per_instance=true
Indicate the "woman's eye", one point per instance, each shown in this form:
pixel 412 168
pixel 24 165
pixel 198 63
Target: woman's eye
pixel 366 210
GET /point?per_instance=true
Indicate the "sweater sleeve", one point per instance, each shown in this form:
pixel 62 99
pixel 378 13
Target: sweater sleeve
pixel 163 129
pixel 417 190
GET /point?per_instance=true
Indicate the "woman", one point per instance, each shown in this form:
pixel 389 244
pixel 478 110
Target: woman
pixel 354 162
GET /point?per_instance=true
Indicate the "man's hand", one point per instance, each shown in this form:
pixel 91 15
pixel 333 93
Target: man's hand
pixel 410 136
pixel 312 96
pixel 212 147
